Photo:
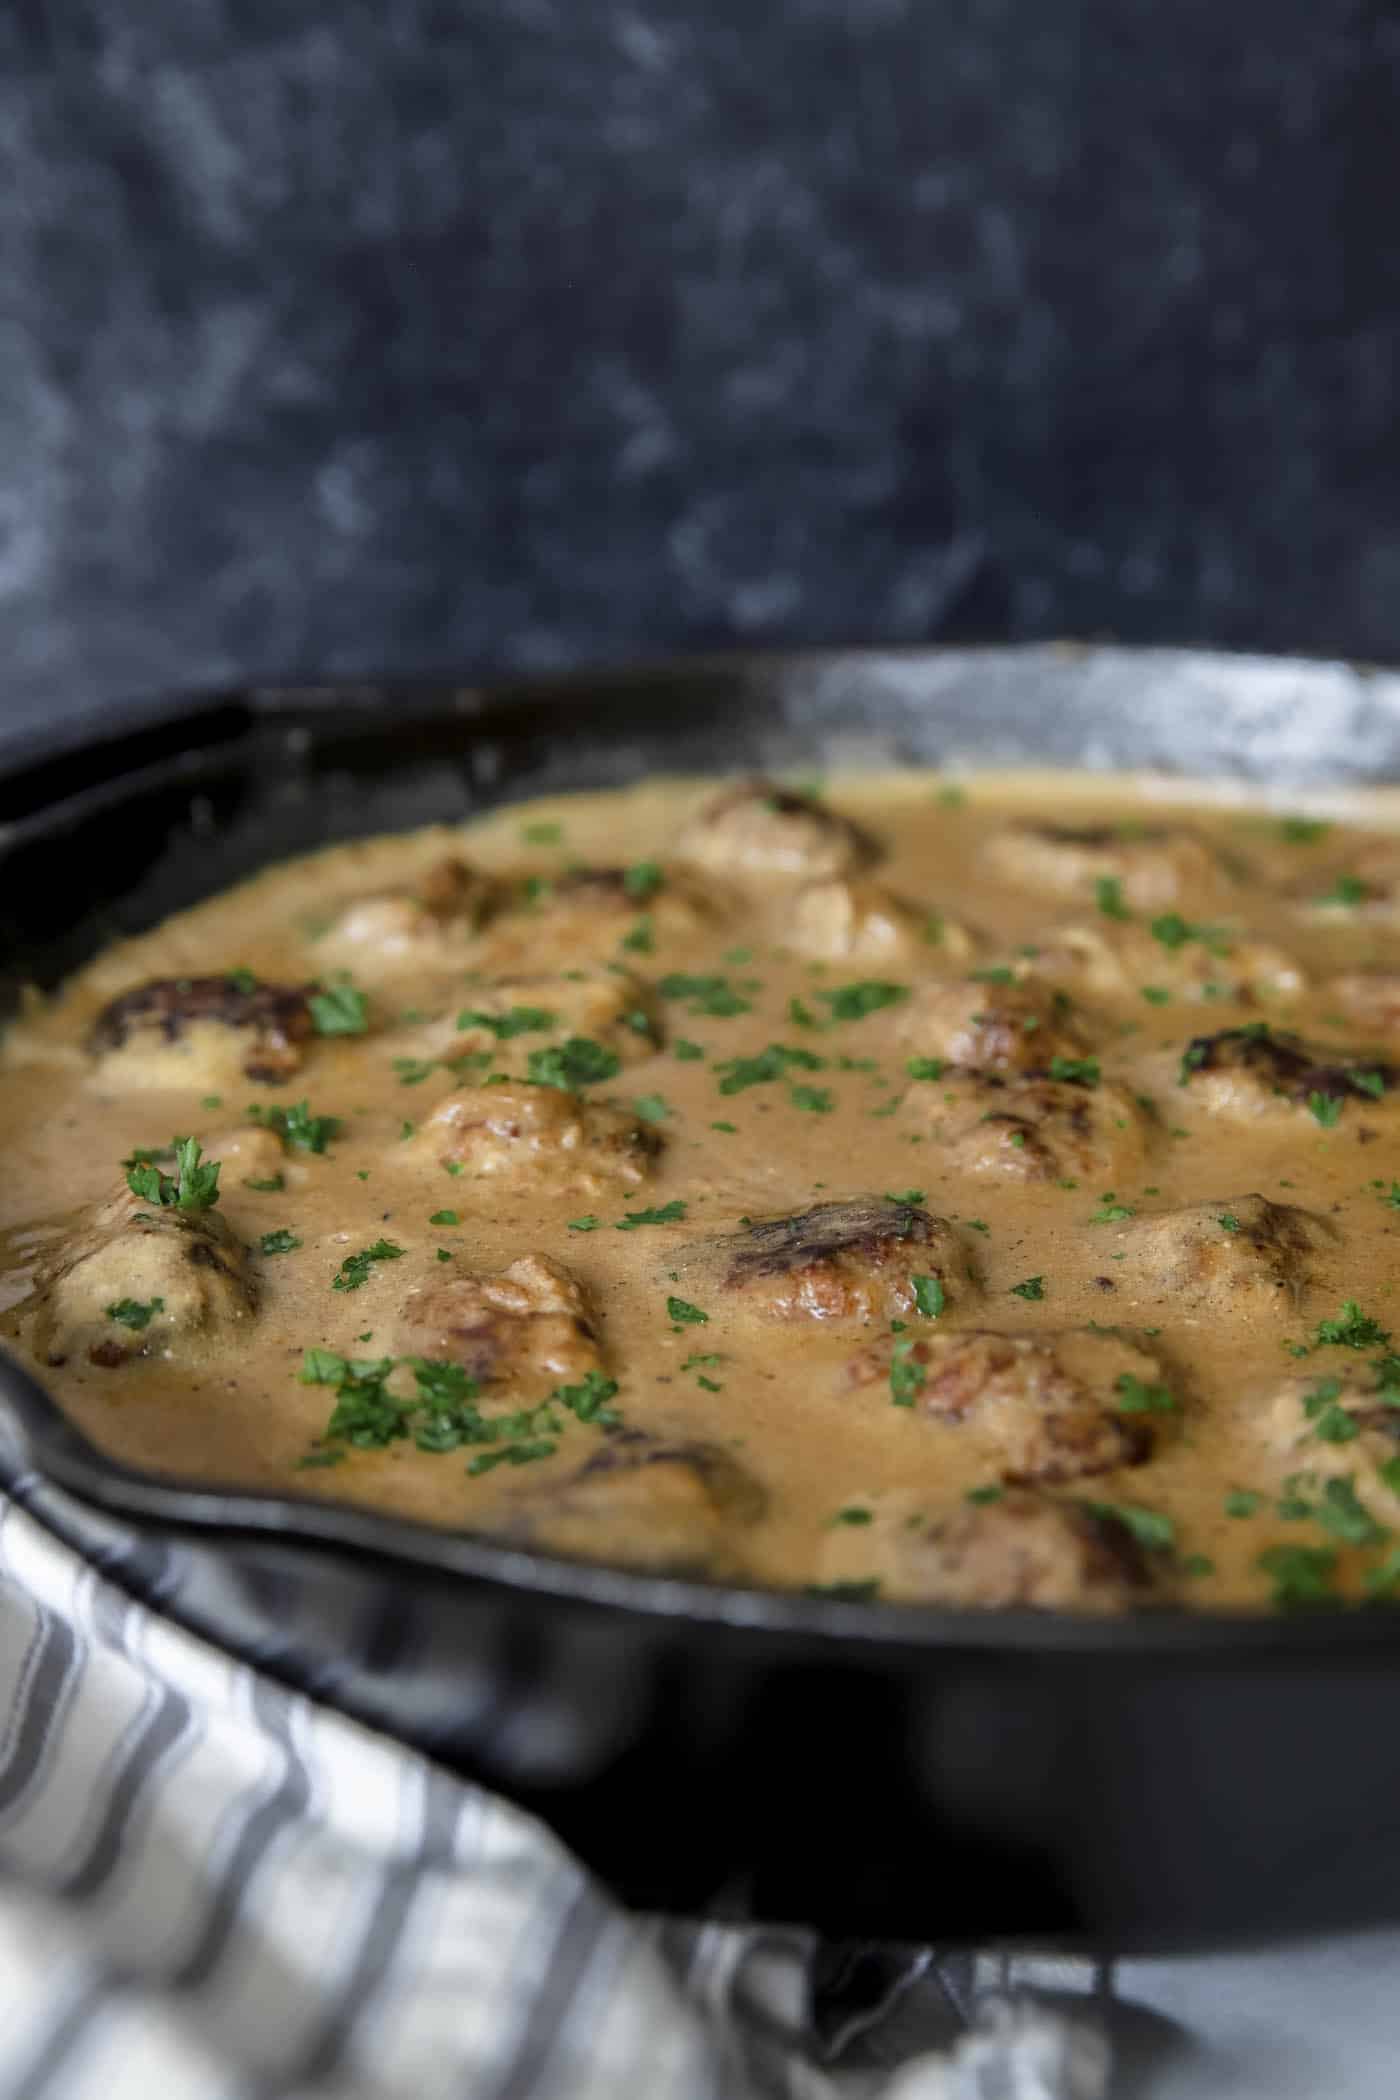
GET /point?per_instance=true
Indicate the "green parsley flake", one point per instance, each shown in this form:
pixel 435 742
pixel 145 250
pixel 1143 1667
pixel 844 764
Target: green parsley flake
pixel 1326 1109
pixel 641 938
pixel 652 1108
pixel 852 1002
pixel 1352 1329
pixel 1080 1071
pixel 1108 892
pixel 854 1514
pixel 817 1100
pixel 132 1313
pixel 907 1377
pixel 993 1492
pixel 1152 1528
pixel 1134 1397
pixel 445 1217
pixel 1110 1211
pixel 297 1125
pixel 1032 1289
pixel 338 1009
pixel 1301 1575
pixel 930 1298
pixel 542 834
pixel 688 1053
pixel 685 1314
pixel 269 1187
pixel 1243 1502
pixel 355 1268
pixel 667 1214
pixel 926 1067
pixel 1155 994
pixel 283 1241
pixel 643 879
pixel 769 1065
pixel 193 1187
pixel 585 1224
pixel 1347 890
pixel 575 1063
pixel 705 995
pixel 904 1195
pixel 1303 831
pixel 517 1020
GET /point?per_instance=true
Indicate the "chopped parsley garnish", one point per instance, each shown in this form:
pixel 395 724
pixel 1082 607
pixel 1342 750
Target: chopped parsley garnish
pixel 191 1187
pixel 667 1214
pixel 817 1100
pixel 652 1108
pixel 1340 1512
pixel 518 1020
pixel 1155 994
pixel 338 1009
pixel 852 1002
pixel 907 1378
pixel 1242 1502
pixel 641 938
pixel 1348 890
pixel 575 1063
pixel 643 879
pixel 687 1052
pixel 993 1492
pixel 244 981
pixel 283 1241
pixel 133 1313
pixel 588 1400
pixel 930 1298
pixel 685 1314
pixel 1326 1109
pixel 1152 1528
pixel 268 1187
pixel 854 1514
pixel 904 1195
pixel 1303 831
pixel 412 1071
pixel 445 1217
pixel 1108 894
pixel 926 1067
pixel 769 1065
pixel 522 1453
pixel 999 973
pixel 1081 1071
pixel 584 1224
pixel 298 1126
pixel 1352 1329
pixel 1135 1397
pixel 715 996
pixel 1301 1575
pixel 355 1268
pixel 542 834
pixel 1033 1289
pixel 1110 1211
pixel 1171 932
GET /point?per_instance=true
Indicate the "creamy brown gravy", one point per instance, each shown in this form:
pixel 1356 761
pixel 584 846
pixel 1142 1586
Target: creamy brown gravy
pixel 229 1405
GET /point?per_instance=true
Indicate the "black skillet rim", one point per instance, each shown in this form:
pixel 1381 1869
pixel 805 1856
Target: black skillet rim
pixel 184 734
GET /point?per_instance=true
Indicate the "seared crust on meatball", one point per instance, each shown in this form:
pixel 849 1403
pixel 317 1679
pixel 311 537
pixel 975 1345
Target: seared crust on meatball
pixel 427 926
pixel 860 921
pixel 1051 1407
pixel 649 1502
pixel 1237 1253
pixel 276 1019
pixel 528 1327
pixel 1114 961
pixel 1153 866
pixel 132 1280
pixel 759 828
pixel 538 1132
pixel 1259 1071
pixel 990 1027
pixel 1040 1129
pixel 1029 1548
pixel 841 1262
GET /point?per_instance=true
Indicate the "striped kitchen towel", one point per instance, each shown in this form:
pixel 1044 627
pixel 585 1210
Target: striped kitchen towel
pixel 213 1887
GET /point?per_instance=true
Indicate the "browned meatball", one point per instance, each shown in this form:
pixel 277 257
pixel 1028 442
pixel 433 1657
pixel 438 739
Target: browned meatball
pixel 1116 961
pixel 186 1021
pixel 429 926
pixel 538 1133
pixel 528 1327
pixel 1029 1548
pixel 1259 1072
pixel 991 1026
pixel 1238 1253
pixel 1152 866
pixel 1040 1129
pixel 648 1502
pixel 861 921
pixel 136 1280
pixel 759 828
pixel 1049 1407
pixel 844 1263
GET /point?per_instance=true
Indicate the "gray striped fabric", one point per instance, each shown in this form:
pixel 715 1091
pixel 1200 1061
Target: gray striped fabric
pixel 214 1888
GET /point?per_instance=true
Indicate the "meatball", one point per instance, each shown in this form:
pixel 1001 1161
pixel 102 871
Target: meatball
pixel 1050 1407
pixel 1255 1072
pixel 540 1133
pixel 758 828
pixel 136 1281
pixel 249 1154
pixel 1115 961
pixel 864 922
pixel 1153 866
pixel 508 1018
pixel 1238 1253
pixel 1334 1428
pixel 849 1262
pixel 427 927
pixel 528 1327
pixel 184 1031
pixel 1040 1129
pixel 648 1502
pixel 1371 998
pixel 990 1026
pixel 1028 1548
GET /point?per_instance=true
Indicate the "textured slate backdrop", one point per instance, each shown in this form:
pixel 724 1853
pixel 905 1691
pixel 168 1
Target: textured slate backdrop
pixel 415 335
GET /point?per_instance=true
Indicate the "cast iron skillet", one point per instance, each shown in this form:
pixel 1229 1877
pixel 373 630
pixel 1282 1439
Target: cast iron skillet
pixel 872 1769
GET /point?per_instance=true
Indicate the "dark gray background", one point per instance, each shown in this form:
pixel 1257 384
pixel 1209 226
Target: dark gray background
pixel 411 335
